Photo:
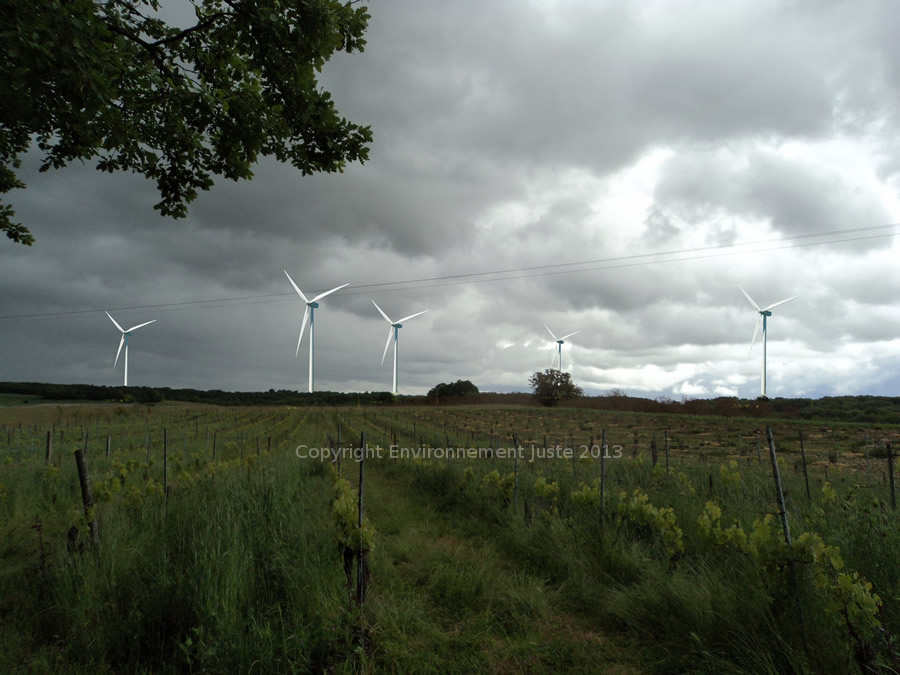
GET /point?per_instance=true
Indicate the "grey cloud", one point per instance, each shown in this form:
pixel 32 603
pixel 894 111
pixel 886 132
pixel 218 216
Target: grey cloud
pixel 618 80
pixel 504 108
pixel 792 196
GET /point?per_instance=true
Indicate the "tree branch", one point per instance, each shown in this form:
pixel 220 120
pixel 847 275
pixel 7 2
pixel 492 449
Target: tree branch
pixel 205 23
pixel 150 47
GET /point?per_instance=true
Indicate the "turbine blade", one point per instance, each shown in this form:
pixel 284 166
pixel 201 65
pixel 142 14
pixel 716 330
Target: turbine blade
pixel 114 321
pixel 141 325
pixel 302 328
pixel 551 332
pixel 322 295
pixel 388 344
pixel 119 350
pixel 755 333
pixel 296 287
pixel 386 317
pixel 752 301
pixel 570 335
pixel 780 302
pixel 412 316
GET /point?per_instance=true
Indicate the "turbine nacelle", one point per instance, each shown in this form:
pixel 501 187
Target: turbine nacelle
pixel 559 343
pixel 123 341
pixel 393 332
pixel 308 311
pixel 764 314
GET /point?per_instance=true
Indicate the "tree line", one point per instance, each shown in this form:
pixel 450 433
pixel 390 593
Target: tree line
pixel 860 409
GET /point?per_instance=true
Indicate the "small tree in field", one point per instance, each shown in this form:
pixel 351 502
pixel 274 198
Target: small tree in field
pixel 553 386
pixel 458 389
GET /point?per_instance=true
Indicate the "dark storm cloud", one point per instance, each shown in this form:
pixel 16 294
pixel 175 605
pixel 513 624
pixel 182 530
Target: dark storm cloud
pixel 595 86
pixel 501 130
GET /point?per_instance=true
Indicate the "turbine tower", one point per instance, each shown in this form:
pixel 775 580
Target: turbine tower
pixel 394 330
pixel 309 313
pixel 764 314
pixel 559 344
pixel 124 341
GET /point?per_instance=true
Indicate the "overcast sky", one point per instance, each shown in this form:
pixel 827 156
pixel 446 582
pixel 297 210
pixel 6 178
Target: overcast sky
pixel 513 135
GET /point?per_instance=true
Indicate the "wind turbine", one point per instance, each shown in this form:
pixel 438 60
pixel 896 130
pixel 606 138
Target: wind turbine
pixel 394 330
pixel 309 313
pixel 559 343
pixel 763 315
pixel 124 341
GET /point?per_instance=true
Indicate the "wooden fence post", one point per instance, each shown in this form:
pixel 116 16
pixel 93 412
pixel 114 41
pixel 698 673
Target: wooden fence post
pixel 890 457
pixel 787 532
pixel 574 454
pixel 166 462
pixel 516 473
pixel 49 446
pixel 362 560
pixel 867 457
pixel 340 451
pixel 87 496
pixel 602 467
pixel 803 459
pixel 779 492
pixel 667 452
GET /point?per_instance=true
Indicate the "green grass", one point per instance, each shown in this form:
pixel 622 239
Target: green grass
pixel 233 575
pixel 452 599
pixel 10 400
pixel 240 570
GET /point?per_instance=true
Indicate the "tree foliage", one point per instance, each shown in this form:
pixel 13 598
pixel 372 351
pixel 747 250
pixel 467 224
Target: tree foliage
pixel 458 389
pixel 112 81
pixel 553 386
pixel 90 392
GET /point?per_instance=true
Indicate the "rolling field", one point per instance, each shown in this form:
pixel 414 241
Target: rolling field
pixel 223 539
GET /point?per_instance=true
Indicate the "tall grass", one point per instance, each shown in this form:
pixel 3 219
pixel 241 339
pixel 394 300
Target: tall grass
pixel 707 610
pixel 239 570
pixel 239 573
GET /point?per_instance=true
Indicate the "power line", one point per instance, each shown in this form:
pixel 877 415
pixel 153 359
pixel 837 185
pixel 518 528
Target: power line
pixel 634 256
pixel 599 264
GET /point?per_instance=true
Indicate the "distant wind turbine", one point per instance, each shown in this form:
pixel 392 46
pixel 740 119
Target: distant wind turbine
pixel 394 330
pixel 309 313
pixel 124 341
pixel 559 344
pixel 763 315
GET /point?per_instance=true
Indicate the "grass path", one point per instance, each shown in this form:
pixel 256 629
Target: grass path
pixel 445 598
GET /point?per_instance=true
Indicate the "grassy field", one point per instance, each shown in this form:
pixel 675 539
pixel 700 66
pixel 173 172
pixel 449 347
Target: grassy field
pixel 221 542
pixel 7 400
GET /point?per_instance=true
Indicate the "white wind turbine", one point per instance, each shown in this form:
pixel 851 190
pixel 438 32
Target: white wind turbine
pixel 559 344
pixel 394 330
pixel 763 315
pixel 309 313
pixel 124 341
